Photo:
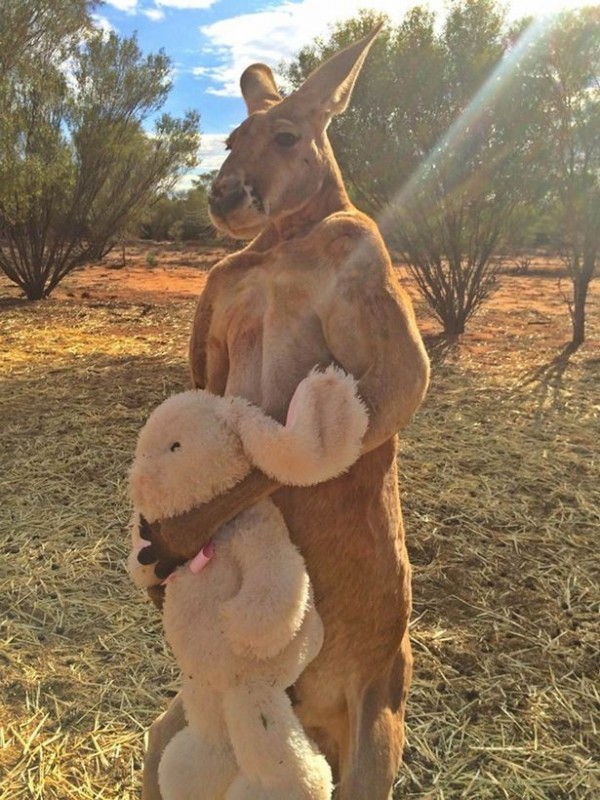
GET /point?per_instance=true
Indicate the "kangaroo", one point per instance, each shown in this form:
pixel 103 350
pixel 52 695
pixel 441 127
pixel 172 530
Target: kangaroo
pixel 314 287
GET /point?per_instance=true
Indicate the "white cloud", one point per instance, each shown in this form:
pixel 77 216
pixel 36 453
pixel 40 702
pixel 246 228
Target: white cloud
pixel 212 155
pixel 124 5
pixel 186 3
pixel 185 182
pixel 277 33
pixel 534 8
pixel 155 14
pixel 212 151
pixel 102 24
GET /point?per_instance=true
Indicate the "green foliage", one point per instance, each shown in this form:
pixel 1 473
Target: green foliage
pixel 76 163
pixel 569 75
pixel 446 140
pixel 32 31
pixel 180 217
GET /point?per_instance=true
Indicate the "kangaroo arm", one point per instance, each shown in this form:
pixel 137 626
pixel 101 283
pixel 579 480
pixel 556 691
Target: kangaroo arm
pixel 371 332
pixel 198 339
pixel 175 540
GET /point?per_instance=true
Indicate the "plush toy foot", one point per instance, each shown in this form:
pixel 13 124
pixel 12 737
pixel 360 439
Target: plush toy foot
pixel 192 769
pixel 277 760
pixel 243 788
pixel 162 730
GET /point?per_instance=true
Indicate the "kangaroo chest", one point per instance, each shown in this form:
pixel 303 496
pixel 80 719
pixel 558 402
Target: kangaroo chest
pixel 269 329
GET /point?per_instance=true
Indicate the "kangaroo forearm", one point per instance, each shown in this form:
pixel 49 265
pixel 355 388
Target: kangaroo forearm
pixel 182 537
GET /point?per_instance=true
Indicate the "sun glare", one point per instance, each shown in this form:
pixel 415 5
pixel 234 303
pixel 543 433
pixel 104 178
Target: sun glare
pixel 488 94
pixel 536 9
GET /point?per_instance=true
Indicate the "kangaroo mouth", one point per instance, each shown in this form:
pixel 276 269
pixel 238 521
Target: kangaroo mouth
pixel 241 214
pixel 256 200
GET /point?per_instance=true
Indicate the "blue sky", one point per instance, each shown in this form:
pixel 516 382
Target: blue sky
pixel 211 41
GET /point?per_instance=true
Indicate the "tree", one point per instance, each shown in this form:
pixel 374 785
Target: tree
pixel 433 146
pixel 570 74
pixel 51 27
pixel 182 216
pixel 194 222
pixel 77 164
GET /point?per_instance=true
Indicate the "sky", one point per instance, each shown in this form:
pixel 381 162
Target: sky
pixel 210 42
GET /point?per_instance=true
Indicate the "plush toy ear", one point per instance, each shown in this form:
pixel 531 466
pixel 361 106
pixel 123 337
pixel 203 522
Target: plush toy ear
pixel 321 438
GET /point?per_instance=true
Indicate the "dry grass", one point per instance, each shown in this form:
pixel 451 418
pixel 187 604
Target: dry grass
pixel 502 502
pixel 500 478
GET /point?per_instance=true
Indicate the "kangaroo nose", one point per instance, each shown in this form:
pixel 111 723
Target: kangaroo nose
pixel 225 194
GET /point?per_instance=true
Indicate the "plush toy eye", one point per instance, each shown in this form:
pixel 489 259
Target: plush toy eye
pixel 286 139
pixel 175 446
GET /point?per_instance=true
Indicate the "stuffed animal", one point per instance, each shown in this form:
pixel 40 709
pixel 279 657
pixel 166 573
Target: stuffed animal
pixel 240 617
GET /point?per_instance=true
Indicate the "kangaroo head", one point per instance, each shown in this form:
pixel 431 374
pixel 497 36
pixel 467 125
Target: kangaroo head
pixel 280 155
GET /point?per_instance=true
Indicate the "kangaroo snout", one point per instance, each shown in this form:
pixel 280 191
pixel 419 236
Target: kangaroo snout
pixel 226 194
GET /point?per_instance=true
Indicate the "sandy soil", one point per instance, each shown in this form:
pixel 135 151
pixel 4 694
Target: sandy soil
pixel 529 307
pixel 499 477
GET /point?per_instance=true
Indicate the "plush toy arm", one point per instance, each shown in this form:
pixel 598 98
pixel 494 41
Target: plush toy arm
pixel 269 609
pixel 178 539
pixel 322 436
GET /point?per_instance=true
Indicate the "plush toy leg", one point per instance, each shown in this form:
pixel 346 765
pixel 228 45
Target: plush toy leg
pixel 160 734
pixel 195 770
pixel 277 760
pixel 198 763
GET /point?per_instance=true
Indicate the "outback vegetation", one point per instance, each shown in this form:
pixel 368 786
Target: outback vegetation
pixel 499 470
pixel 499 476
pixel 77 166
pixel 470 138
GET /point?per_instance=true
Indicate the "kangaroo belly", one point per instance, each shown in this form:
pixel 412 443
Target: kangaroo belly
pixel 349 531
pixel 272 332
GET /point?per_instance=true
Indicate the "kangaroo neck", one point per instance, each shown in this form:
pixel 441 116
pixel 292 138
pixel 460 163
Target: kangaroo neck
pixel 330 199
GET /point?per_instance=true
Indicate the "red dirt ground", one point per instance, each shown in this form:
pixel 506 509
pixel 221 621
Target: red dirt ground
pixel 528 307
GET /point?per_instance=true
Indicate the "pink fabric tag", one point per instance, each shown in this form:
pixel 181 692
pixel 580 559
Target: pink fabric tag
pixel 204 556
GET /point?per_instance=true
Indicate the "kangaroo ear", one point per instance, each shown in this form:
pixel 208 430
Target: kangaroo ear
pixel 321 438
pixel 258 88
pixel 330 86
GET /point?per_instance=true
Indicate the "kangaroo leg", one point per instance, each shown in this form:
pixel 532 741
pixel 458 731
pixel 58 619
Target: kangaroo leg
pixel 162 730
pixel 377 733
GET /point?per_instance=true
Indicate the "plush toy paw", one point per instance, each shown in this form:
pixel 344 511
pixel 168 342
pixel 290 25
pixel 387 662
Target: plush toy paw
pixel 195 769
pixel 139 566
pixel 322 436
pixel 248 637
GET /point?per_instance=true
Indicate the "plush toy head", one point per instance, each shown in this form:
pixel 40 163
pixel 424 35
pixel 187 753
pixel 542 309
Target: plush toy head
pixel 196 445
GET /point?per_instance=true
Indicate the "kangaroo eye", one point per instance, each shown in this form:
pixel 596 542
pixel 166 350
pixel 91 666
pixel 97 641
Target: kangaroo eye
pixel 175 446
pixel 286 139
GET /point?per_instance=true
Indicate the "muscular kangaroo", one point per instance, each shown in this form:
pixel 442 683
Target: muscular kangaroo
pixel 315 286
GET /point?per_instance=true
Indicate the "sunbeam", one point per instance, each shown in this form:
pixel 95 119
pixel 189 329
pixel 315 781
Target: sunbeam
pixel 508 70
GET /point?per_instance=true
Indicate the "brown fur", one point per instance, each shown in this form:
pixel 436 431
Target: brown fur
pixel 316 286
